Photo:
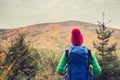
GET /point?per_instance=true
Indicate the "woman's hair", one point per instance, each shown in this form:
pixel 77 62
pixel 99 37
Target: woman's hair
pixel 76 37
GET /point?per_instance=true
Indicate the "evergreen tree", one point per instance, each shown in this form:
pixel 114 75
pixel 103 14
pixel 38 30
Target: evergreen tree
pixel 0 44
pixel 21 62
pixel 106 52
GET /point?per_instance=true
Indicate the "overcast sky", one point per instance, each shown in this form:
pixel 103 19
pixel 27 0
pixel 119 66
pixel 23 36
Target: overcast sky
pixel 19 13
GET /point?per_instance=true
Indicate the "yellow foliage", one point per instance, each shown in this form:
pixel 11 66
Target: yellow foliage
pixel 53 25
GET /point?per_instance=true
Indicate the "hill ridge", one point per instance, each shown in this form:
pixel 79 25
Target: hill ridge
pixel 57 34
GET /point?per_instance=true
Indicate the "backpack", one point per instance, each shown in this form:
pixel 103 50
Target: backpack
pixel 78 62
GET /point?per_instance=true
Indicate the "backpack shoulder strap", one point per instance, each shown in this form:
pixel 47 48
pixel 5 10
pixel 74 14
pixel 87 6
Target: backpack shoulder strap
pixel 89 57
pixel 67 71
pixel 89 62
pixel 66 54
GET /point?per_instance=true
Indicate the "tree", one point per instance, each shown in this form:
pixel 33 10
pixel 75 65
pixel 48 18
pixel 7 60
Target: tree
pixel 106 52
pixel 21 61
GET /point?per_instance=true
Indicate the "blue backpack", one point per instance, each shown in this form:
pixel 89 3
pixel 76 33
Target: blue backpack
pixel 78 63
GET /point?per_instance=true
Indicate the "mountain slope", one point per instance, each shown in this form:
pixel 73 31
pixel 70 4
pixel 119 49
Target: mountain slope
pixel 57 35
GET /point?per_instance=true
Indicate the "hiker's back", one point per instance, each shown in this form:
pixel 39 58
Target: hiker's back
pixel 78 60
pixel 78 63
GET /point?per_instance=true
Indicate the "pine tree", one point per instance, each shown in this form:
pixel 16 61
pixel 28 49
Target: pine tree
pixel 20 62
pixel 0 44
pixel 105 51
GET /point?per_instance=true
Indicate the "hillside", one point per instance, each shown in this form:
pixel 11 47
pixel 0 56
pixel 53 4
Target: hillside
pixel 57 35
